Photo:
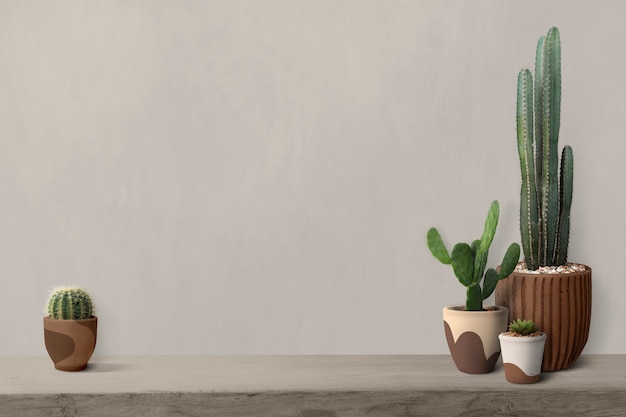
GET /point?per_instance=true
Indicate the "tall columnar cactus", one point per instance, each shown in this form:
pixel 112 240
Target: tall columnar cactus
pixel 469 262
pixel 546 196
pixel 70 303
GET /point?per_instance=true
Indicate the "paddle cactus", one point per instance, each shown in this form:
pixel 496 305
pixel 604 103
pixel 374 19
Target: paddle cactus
pixel 546 197
pixel 469 261
pixel 70 303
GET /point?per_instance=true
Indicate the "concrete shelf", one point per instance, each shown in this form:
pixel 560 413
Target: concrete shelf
pixel 303 386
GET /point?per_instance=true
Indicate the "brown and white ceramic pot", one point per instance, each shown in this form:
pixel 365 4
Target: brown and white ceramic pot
pixel 70 343
pixel 560 304
pixel 522 356
pixel 473 336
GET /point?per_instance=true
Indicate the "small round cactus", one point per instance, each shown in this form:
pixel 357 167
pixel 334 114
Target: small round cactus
pixel 70 303
pixel 523 327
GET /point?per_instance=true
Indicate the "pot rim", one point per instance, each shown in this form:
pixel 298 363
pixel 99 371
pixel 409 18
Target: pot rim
pixel 523 339
pixel 555 274
pixel 68 320
pixel 461 309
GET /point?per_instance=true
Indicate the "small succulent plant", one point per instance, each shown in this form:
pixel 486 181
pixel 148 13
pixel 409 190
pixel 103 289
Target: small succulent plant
pixel 523 327
pixel 469 261
pixel 70 303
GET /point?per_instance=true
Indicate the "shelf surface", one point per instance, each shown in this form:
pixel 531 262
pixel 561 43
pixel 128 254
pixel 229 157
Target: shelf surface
pixel 295 385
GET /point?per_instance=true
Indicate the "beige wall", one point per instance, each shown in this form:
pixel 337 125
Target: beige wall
pixel 259 176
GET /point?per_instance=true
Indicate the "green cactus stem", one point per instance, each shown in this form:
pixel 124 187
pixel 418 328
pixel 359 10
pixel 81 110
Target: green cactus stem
pixel 70 303
pixel 545 195
pixel 529 208
pixel 469 261
pixel 566 191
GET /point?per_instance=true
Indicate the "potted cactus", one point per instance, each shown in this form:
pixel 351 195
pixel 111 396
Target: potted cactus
pixel 522 352
pixel 472 330
pixel 70 328
pixel 555 292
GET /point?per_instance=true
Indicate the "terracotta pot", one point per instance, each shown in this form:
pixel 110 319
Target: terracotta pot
pixel 70 343
pixel 560 304
pixel 473 337
pixel 522 357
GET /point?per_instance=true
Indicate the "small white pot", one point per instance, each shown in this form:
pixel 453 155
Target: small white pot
pixel 522 357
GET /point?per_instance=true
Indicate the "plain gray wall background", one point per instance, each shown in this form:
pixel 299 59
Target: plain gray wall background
pixel 257 177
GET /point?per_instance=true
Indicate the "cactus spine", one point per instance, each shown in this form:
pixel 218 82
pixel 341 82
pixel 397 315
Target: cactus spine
pixel 469 262
pixel 546 196
pixel 70 303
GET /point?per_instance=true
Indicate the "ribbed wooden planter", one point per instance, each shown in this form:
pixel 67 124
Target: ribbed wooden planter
pixel 560 304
